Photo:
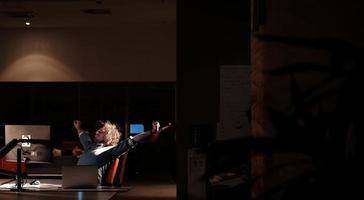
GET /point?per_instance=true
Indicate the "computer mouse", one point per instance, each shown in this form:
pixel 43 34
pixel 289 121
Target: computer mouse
pixel 35 182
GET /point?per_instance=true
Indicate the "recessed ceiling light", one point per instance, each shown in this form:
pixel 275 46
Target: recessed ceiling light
pixel 27 23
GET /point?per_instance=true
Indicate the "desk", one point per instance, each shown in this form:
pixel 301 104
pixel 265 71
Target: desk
pixel 56 195
pixel 56 186
pixel 52 189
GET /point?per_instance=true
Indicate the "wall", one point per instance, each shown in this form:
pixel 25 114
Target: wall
pixel 58 103
pixel 140 53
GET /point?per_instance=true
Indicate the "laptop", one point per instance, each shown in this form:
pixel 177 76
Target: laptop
pixel 79 177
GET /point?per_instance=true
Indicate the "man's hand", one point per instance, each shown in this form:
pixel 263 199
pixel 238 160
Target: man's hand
pixel 155 127
pixel 77 151
pixel 77 125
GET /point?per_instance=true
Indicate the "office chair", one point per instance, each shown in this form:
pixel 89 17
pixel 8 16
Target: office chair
pixel 116 169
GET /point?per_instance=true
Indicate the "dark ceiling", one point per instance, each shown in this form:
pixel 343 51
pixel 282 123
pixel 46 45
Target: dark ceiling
pixel 86 13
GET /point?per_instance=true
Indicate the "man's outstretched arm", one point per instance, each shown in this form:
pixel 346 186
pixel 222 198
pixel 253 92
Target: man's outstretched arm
pixel 145 135
pixel 84 136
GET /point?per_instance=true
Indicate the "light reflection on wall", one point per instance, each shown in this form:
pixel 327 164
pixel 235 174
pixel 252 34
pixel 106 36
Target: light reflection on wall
pixel 38 67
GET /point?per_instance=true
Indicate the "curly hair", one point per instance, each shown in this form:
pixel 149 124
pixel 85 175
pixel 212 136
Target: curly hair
pixel 113 134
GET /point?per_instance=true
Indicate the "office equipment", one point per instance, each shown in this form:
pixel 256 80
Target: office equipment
pixel 19 174
pixel 33 152
pixel 80 176
pixel 136 129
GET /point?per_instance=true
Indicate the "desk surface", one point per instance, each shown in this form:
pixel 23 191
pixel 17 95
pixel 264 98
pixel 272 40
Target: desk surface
pixel 52 189
pixel 143 188
pixel 56 195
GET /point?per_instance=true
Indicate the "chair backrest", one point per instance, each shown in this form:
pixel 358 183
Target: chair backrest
pixel 111 173
pixel 116 170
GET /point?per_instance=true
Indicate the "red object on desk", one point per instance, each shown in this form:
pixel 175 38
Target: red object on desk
pixel 10 166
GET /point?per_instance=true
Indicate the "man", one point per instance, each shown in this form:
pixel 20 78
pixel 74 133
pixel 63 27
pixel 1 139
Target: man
pixel 106 145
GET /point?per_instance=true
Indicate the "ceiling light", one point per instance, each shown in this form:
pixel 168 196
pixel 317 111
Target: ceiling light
pixel 27 23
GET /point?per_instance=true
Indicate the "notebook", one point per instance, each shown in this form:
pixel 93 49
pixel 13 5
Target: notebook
pixel 78 177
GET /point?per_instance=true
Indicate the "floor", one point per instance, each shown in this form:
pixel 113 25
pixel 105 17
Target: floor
pixel 149 186
pixel 149 190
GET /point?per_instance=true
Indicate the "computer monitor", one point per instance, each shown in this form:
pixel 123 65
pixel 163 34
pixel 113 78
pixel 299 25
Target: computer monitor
pixel 35 152
pixel 135 129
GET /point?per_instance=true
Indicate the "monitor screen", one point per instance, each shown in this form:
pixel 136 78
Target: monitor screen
pixel 135 129
pixel 37 153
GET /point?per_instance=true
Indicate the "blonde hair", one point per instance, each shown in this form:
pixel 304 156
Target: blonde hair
pixel 113 134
